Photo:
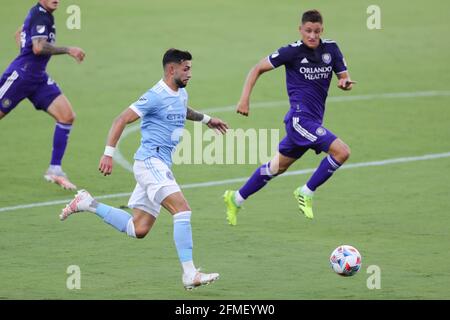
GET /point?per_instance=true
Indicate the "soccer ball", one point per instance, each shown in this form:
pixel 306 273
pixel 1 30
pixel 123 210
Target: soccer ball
pixel 345 260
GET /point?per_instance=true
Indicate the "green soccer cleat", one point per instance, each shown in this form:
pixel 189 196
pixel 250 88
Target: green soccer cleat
pixel 304 203
pixel 232 207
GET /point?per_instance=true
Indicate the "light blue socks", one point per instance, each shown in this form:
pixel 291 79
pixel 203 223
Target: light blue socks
pixel 118 218
pixel 182 235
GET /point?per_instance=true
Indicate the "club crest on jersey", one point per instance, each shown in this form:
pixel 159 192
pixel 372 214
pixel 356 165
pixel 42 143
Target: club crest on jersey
pixel 326 57
pixel 52 37
pixel 321 131
pixel 40 29
pixel 6 103
pixel 169 175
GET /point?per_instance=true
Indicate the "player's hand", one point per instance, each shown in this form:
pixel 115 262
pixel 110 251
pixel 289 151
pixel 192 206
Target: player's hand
pixel 77 53
pixel 219 125
pixel 243 108
pixel 106 165
pixel 345 84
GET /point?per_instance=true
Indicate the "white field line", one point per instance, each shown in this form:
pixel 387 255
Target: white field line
pixel 120 159
pixel 242 179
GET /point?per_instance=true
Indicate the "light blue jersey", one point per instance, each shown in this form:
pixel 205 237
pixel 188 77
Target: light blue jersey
pixel 163 114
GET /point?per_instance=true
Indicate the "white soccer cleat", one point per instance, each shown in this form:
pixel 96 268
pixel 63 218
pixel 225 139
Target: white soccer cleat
pixel 81 202
pixel 191 281
pixel 60 178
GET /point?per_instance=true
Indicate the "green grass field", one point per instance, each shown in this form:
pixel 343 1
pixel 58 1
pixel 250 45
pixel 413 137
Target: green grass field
pixel 396 214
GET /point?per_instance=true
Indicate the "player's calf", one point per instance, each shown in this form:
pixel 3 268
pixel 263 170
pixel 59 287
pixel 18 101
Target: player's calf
pixel 143 223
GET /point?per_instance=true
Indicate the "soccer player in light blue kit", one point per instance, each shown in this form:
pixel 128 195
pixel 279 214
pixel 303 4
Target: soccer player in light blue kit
pixel 163 110
pixel 309 65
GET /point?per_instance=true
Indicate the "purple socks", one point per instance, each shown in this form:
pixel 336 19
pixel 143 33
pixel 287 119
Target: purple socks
pixel 325 170
pixel 262 175
pixel 258 180
pixel 60 138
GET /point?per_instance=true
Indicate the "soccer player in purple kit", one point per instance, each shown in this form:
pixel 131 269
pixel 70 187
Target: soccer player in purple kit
pixel 309 65
pixel 26 77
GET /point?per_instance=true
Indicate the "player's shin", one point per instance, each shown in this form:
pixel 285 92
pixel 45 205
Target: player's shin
pixel 119 219
pixel 257 181
pixel 325 170
pixel 182 235
pixel 60 138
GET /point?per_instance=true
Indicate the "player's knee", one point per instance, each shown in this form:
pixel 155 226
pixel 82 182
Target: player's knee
pixel 277 169
pixel 69 118
pixel 344 154
pixel 141 232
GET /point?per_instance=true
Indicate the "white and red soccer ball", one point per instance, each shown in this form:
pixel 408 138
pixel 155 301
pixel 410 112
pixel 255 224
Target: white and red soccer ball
pixel 345 260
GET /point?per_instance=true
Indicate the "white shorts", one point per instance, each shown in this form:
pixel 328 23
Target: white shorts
pixel 155 182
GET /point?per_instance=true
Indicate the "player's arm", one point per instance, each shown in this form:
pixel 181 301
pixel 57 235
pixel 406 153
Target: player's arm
pixel 17 37
pixel 119 124
pixel 42 47
pixel 213 123
pixel 244 102
pixel 345 83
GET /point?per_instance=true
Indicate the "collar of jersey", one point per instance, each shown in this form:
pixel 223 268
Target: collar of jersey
pixel 168 89
pixel 308 48
pixel 40 5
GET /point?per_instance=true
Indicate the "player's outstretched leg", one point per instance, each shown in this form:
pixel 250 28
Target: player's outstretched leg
pixel 83 201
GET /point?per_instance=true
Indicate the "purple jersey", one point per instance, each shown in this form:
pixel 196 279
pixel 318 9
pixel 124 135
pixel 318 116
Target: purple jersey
pixel 39 23
pixel 308 75
pixel 26 77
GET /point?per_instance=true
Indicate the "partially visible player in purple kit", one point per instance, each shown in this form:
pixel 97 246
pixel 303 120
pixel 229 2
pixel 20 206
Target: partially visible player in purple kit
pixel 309 65
pixel 26 78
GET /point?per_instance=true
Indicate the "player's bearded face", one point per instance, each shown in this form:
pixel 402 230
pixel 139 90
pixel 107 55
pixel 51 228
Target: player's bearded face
pixel 182 74
pixel 311 32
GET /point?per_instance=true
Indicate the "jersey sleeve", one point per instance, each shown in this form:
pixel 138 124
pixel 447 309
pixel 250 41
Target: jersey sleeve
pixel 145 105
pixel 281 56
pixel 40 26
pixel 339 64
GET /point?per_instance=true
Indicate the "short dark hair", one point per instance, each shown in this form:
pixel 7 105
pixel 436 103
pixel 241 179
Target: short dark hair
pixel 175 55
pixel 312 16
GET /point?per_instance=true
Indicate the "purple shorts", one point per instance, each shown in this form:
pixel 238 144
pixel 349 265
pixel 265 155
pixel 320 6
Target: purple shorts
pixel 304 134
pixel 15 86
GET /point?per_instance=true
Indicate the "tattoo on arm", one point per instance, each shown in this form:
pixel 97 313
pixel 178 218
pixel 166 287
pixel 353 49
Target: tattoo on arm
pixel 46 48
pixel 194 115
